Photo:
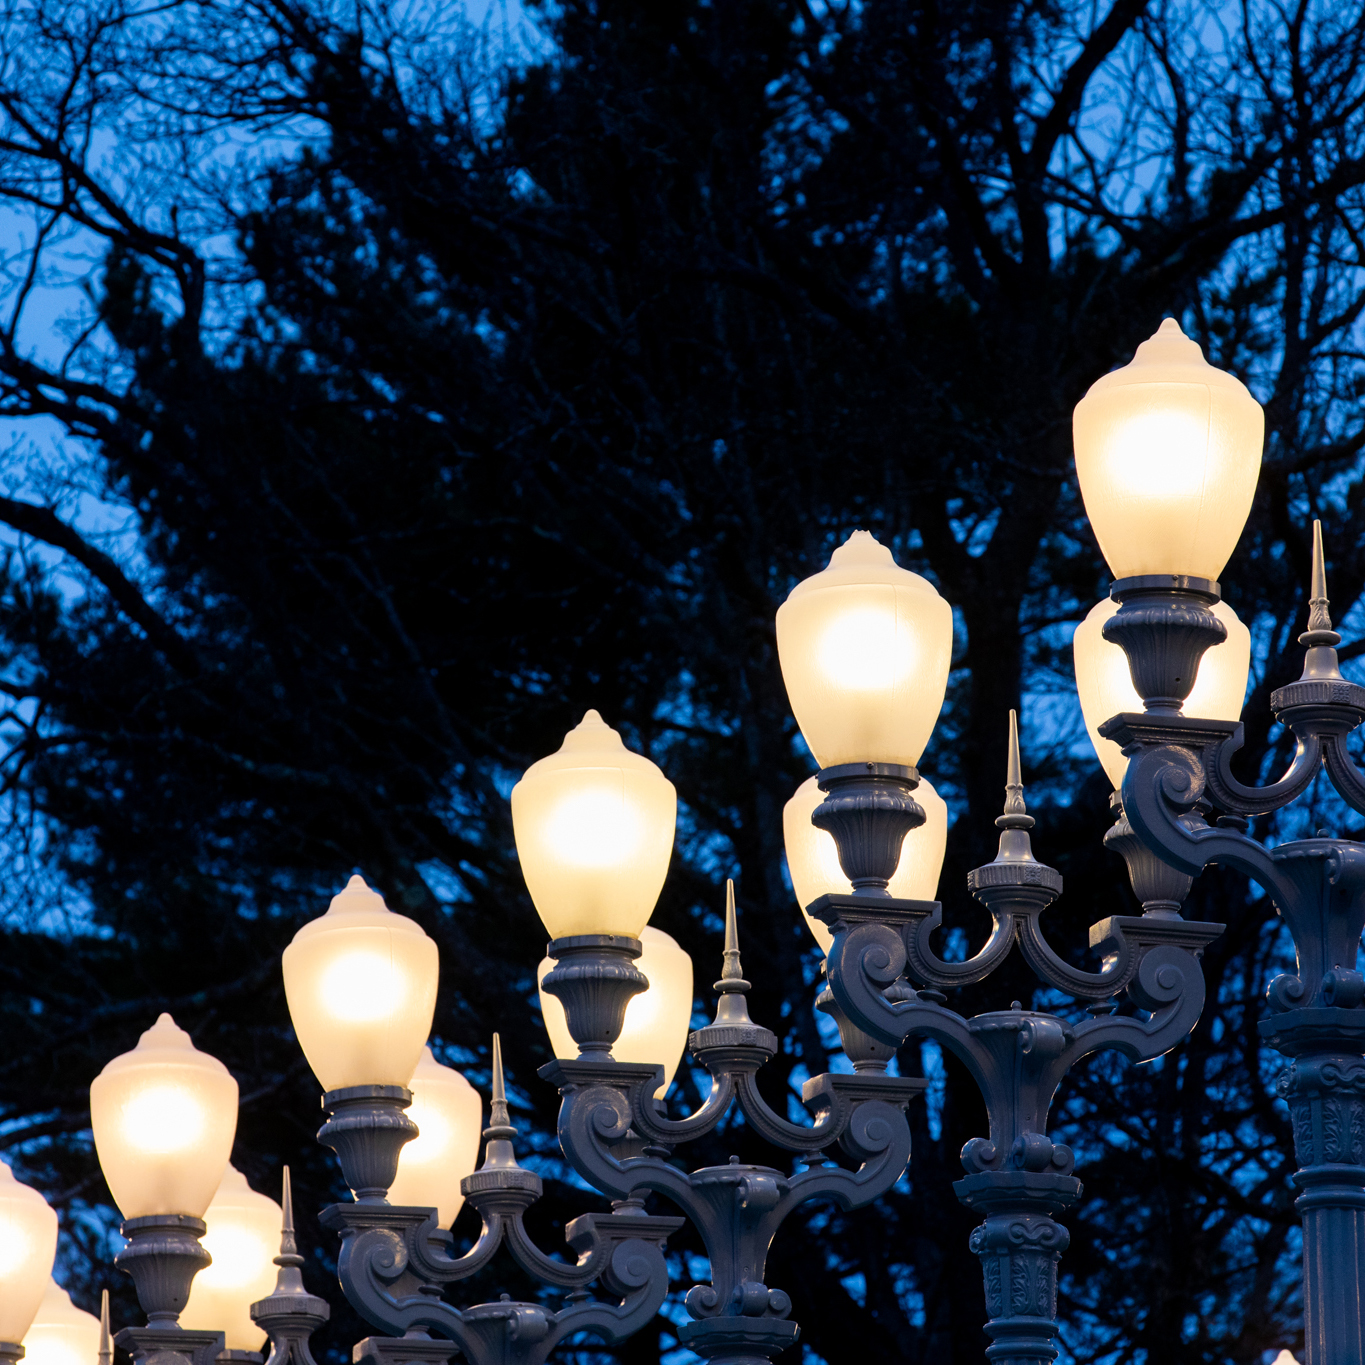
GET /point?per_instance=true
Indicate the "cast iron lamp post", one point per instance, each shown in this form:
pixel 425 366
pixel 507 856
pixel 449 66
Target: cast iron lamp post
pixel 1179 772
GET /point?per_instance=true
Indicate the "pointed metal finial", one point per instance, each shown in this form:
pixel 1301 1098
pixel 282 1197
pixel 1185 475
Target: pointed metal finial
pixel 498 1153
pixel 290 1313
pixel 1016 814
pixel 499 1100
pixel 732 1024
pixel 731 973
pixel 289 1247
pixel 1319 632
pixel 106 1351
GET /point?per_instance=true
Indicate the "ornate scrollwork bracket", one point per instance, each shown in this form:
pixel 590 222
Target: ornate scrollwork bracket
pixel 616 1137
pixel 394 1261
pixel 1017 1177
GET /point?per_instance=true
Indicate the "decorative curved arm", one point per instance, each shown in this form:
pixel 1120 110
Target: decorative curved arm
pixel 648 1120
pixel 596 1237
pixel 928 969
pixel 1119 965
pixel 1230 795
pixel 1344 775
pixel 1165 778
pixel 631 1265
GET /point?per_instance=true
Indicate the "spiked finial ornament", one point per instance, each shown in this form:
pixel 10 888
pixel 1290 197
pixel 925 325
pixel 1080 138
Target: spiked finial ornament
pixel 291 1314
pixel 732 1027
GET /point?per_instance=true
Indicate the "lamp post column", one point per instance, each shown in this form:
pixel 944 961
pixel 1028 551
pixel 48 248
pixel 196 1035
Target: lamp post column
pixel 1325 1089
pixel 1020 1245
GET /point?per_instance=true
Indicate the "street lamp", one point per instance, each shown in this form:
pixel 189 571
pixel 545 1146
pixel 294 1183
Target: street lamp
pixel 28 1246
pixel 62 1334
pixel 1179 780
pixel 813 857
pixel 360 983
pixel 243 1238
pixel 594 829
pixel 1105 685
pixel 449 1116
pixel 1168 450
pixel 657 1020
pixel 164 1116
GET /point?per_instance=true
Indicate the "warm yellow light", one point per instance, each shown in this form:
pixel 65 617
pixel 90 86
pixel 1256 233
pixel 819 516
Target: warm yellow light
pixel 594 829
pixel 361 986
pixel 449 1116
pixel 243 1238
pixel 1105 684
pixel 865 648
pixel 657 1020
pixel 1168 450
pixel 813 858
pixel 162 1119
pixel 164 1116
pixel 62 1334
pixel 28 1246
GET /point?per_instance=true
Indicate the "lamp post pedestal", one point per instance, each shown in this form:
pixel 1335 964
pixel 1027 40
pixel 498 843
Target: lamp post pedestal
pixel 1020 1246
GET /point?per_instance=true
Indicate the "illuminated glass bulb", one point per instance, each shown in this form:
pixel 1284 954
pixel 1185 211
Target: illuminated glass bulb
pixel 243 1238
pixel 62 1334
pixel 1105 684
pixel 865 647
pixel 28 1246
pixel 594 829
pixel 164 1116
pixel 361 986
pixel 813 858
pixel 657 1020
pixel 449 1117
pixel 1168 450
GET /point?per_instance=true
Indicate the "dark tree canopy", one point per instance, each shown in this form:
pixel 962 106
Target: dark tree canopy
pixel 432 384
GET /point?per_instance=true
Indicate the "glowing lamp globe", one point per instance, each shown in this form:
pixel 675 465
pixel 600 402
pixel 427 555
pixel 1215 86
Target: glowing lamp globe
pixel 243 1238
pixel 813 859
pixel 28 1246
pixel 1168 450
pixel 361 983
pixel 657 1020
pixel 865 648
pixel 164 1116
pixel 594 829
pixel 449 1117
pixel 62 1334
pixel 1106 686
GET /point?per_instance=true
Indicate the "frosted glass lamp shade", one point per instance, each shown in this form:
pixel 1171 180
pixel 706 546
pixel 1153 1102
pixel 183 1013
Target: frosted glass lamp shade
pixel 1168 450
pixel 243 1238
pixel 865 648
pixel 1106 686
pixel 657 1020
pixel 594 829
pixel 361 986
pixel 449 1117
pixel 62 1334
pixel 164 1117
pixel 28 1246
pixel 813 859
